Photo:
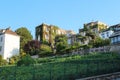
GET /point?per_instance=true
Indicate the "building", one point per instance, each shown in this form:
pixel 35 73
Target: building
pixel 106 33
pixel 115 37
pixel 9 43
pixel 95 27
pixel 47 33
pixel 115 27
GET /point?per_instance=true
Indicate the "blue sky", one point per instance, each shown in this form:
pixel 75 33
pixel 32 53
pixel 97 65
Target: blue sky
pixel 67 14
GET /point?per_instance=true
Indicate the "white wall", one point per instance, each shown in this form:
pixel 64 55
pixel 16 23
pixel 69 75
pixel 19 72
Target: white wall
pixel 12 45
pixel 106 34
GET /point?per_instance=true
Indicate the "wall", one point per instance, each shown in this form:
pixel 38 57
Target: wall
pixel 12 45
pixel 112 48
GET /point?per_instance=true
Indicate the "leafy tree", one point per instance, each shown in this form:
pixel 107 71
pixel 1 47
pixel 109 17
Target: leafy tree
pixel 32 47
pixel 98 42
pixel 25 36
pixel 61 43
pixel 26 61
pixel 45 50
pixel 91 34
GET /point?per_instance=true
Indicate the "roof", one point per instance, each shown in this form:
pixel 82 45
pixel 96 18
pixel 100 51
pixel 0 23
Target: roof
pixel 8 31
pixel 94 23
pixel 117 25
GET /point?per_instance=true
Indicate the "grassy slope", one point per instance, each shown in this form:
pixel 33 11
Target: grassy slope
pixel 64 68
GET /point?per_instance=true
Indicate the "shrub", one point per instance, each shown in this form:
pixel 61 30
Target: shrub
pixel 45 50
pixel 25 61
pixel 2 61
pixel 14 59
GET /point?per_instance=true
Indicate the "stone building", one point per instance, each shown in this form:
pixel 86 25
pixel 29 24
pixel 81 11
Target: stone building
pixel 47 33
pixel 83 37
pixel 95 27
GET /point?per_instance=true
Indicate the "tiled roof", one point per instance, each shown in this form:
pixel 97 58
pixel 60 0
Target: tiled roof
pixel 8 31
pixel 11 32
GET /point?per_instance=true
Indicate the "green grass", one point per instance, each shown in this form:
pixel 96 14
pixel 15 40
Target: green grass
pixel 64 68
pixel 92 56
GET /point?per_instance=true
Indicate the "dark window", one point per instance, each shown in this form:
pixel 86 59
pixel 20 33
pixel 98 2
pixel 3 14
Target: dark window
pixel 1 39
pixel 0 48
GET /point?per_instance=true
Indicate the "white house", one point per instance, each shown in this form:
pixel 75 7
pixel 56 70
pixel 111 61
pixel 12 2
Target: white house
pixel 115 38
pixel 9 43
pixel 106 34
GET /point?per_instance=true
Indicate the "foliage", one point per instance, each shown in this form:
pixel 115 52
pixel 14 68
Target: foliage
pixel 91 34
pixel 98 42
pixel 22 53
pixel 45 50
pixel 91 56
pixel 14 59
pixel 32 47
pixel 25 36
pixel 91 65
pixel 61 43
pixel 2 61
pixel 26 61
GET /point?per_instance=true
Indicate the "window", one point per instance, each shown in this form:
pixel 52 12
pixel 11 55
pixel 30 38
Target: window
pixel 1 39
pixel 38 37
pixel 107 34
pixel 0 48
pixel 69 41
pixel 47 37
pixel 47 29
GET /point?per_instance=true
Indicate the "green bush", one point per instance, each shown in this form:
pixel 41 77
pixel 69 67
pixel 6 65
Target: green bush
pixel 45 50
pixel 14 59
pixel 26 61
pixel 2 61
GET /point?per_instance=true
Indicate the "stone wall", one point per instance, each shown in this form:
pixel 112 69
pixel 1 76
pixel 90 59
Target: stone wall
pixel 111 48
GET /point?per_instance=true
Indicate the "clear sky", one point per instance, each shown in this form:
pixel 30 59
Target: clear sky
pixel 67 14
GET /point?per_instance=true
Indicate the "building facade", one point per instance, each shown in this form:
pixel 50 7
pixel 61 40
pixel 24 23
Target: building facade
pixel 9 43
pixel 106 34
pixel 115 27
pixel 92 27
pixel 47 33
pixel 95 27
pixel 115 37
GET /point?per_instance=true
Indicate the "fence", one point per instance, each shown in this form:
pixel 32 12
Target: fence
pixel 61 70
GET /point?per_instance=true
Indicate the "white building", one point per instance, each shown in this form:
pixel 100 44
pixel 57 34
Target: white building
pixel 9 43
pixel 106 34
pixel 115 38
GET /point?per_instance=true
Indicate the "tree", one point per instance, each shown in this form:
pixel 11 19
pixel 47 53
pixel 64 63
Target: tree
pixel 61 43
pixel 91 34
pixel 45 50
pixel 98 42
pixel 32 47
pixel 25 36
